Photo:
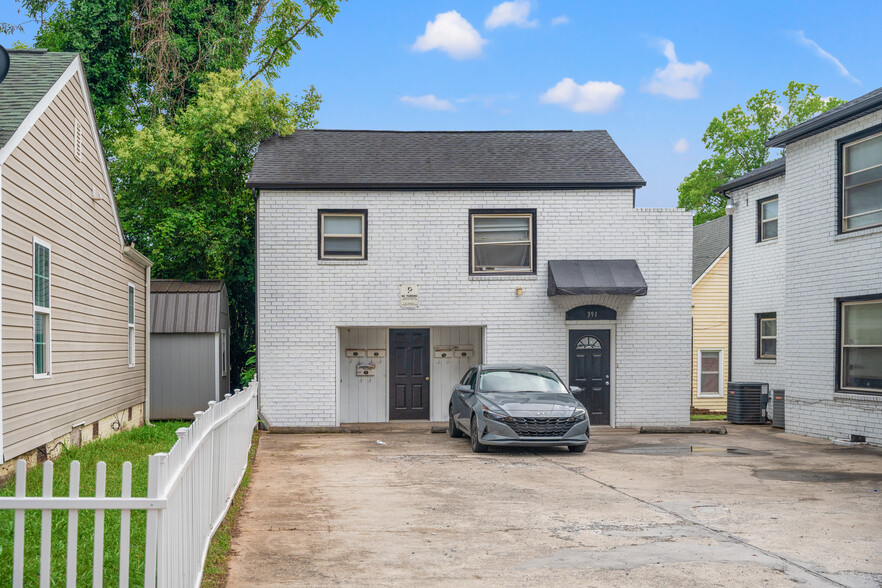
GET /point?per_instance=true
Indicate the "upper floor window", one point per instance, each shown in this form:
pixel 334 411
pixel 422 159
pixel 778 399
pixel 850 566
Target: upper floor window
pixel 860 353
pixel 342 234
pixel 862 183
pixel 131 333
pixel 42 309
pixel 503 242
pixel 768 219
pixel 767 335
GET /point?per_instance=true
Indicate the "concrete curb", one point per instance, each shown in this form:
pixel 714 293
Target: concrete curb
pixel 706 429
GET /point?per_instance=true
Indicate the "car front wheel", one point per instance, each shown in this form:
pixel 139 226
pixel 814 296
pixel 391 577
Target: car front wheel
pixel 452 429
pixel 477 446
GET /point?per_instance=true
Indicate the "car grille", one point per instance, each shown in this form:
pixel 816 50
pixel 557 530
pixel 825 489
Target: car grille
pixel 540 426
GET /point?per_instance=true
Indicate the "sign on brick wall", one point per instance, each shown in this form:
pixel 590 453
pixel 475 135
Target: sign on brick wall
pixel 409 296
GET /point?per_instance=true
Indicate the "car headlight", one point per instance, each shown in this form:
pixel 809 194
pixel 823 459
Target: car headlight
pixel 578 416
pixel 495 416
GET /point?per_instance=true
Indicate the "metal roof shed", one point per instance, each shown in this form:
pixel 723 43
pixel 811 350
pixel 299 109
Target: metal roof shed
pixel 189 346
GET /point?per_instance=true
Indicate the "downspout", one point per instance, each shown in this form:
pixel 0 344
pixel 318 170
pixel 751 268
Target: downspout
pixel 731 254
pixel 256 194
pixel 147 330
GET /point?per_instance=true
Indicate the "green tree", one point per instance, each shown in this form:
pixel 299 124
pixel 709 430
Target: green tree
pixel 737 139
pixel 147 58
pixel 181 190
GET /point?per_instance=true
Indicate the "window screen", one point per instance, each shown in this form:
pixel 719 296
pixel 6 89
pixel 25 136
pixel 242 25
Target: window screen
pixel 343 235
pixel 862 183
pixel 502 243
pixel 861 352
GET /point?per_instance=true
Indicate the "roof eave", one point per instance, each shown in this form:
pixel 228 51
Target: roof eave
pixel 736 185
pixel 297 186
pixel 815 126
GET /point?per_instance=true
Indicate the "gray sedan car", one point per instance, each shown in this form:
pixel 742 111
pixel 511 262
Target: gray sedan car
pixel 513 404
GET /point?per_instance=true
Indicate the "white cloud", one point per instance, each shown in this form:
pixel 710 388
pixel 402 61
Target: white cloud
pixel 429 102
pixel 510 13
pixel 681 146
pixel 681 81
pixel 593 97
pixel 560 20
pixel 819 51
pixel 453 34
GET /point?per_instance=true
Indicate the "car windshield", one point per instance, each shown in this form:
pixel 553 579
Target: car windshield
pixel 520 380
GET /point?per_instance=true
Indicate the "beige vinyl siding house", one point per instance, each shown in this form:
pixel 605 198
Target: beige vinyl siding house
pixel 710 315
pixel 74 295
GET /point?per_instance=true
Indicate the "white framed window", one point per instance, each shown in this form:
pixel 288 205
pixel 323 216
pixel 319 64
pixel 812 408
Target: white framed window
pixel 767 335
pixel 342 234
pixel 502 242
pixel 860 353
pixel 861 166
pixel 768 219
pixel 710 373
pixel 131 330
pixel 42 283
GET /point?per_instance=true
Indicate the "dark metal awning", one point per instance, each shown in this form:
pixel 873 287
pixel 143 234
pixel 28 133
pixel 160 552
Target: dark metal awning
pixel 595 276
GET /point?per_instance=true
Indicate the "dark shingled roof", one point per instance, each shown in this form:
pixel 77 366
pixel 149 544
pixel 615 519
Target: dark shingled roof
pixel 32 72
pixel 765 172
pixel 419 160
pixel 843 113
pixel 709 241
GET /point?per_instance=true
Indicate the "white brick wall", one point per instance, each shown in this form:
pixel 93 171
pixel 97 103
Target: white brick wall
pixel 422 238
pixel 819 266
pixel 758 271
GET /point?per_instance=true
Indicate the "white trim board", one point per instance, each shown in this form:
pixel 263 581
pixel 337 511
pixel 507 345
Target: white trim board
pixel 710 267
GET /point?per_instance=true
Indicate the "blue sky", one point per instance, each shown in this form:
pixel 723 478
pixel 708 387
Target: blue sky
pixel 651 73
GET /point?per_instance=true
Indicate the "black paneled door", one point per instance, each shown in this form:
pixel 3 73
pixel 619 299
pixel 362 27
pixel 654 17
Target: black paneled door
pixel 589 370
pixel 409 374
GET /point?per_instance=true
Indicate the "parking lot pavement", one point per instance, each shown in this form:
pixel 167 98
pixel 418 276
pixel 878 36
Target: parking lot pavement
pixel 755 507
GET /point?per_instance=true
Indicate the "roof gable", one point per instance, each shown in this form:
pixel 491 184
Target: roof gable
pixel 414 160
pixel 710 240
pixel 32 73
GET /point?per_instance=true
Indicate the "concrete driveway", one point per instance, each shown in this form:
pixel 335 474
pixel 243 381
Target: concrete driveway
pixel 755 507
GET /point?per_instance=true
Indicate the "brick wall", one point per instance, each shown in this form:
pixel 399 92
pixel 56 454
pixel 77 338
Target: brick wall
pixel 822 266
pixel 758 276
pixel 422 238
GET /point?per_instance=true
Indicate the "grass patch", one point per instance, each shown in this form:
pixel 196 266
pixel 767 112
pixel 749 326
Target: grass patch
pixel 134 445
pixel 708 417
pixel 215 572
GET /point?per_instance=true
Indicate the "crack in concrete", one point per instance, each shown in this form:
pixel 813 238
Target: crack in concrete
pixel 717 532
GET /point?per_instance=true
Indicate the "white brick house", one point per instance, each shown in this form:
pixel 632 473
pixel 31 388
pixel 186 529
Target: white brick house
pixel 820 273
pixel 349 220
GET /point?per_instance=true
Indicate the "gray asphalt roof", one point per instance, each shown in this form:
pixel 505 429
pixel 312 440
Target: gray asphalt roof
pixel 331 159
pixel 770 170
pixel 869 102
pixel 187 307
pixel 709 241
pixel 32 72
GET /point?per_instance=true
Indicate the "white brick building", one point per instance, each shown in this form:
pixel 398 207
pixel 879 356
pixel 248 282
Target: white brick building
pixel 820 274
pixel 348 220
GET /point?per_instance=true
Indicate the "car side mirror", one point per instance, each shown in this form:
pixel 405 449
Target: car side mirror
pixel 575 390
pixel 463 389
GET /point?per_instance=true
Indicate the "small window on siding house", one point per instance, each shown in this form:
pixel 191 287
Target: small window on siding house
pixel 343 234
pixel 503 242
pixel 42 275
pixel 223 343
pixel 709 370
pixel 131 330
pixel 860 352
pixel 861 165
pixel 767 335
pixel 768 219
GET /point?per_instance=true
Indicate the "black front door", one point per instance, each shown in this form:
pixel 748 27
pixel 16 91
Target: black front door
pixel 589 370
pixel 409 374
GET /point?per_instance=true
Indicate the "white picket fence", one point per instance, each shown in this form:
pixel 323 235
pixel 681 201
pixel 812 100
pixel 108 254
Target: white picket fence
pixel 189 490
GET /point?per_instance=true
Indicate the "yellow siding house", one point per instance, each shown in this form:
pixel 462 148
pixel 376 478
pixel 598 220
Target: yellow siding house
pixel 710 314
